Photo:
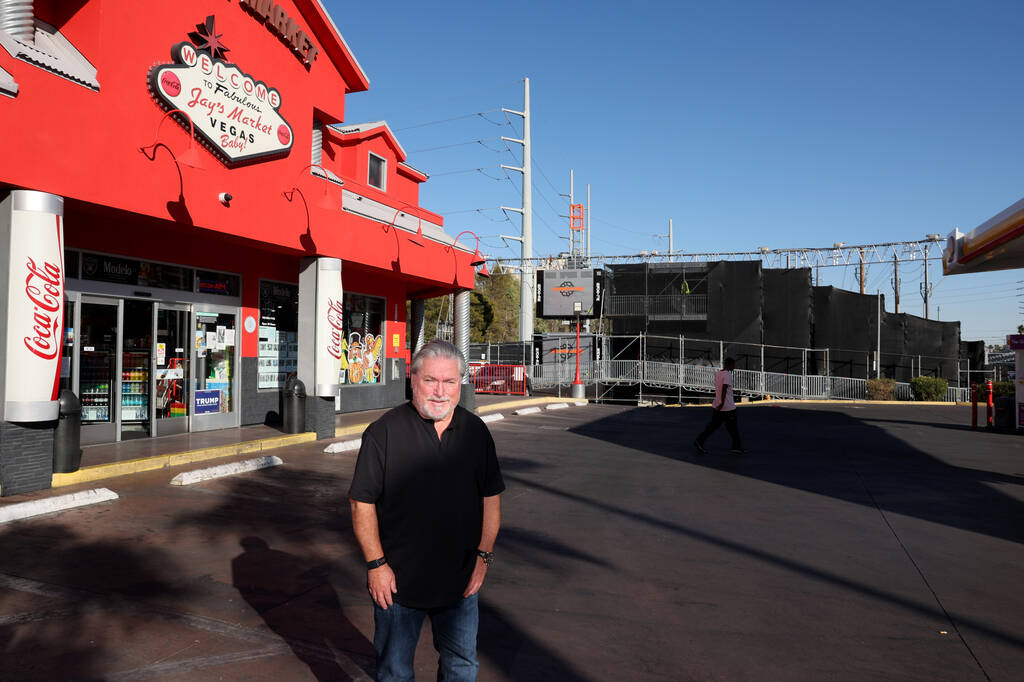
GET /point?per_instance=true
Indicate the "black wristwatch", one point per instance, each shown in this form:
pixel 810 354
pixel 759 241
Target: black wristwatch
pixel 376 563
pixel 488 557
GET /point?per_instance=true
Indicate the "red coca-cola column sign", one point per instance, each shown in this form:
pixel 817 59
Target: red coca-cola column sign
pixel 35 305
pixel 329 327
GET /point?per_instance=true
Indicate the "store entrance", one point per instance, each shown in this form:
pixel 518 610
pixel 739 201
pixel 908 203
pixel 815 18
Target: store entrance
pixel 136 370
pixel 215 398
pixel 172 369
pixel 98 347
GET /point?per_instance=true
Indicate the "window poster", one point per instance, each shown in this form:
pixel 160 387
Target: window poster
pixel 363 344
pixel 278 337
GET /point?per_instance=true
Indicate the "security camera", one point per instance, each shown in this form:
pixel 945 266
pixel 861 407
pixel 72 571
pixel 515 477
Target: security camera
pixel 225 198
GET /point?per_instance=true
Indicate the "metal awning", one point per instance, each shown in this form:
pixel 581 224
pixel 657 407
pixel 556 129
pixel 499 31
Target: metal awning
pixel 996 244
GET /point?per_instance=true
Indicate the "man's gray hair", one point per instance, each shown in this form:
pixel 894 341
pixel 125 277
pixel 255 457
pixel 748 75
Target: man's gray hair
pixel 438 349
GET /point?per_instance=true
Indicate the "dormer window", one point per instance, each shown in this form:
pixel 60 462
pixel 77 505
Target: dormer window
pixel 376 175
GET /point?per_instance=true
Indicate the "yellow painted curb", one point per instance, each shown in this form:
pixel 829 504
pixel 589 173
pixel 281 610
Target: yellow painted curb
pixel 354 429
pixel 135 466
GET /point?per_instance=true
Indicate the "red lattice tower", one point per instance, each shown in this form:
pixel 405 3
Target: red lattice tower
pixel 576 217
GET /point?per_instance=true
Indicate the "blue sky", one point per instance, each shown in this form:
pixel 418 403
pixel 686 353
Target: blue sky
pixel 780 124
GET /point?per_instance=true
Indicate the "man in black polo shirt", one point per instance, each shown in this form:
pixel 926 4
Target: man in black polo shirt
pixel 426 511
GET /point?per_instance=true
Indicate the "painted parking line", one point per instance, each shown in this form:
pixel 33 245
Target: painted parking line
pixel 246 465
pixel 49 505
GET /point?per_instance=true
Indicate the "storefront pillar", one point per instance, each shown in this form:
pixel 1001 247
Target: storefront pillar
pixel 320 340
pixel 31 335
pixel 418 314
pixel 468 398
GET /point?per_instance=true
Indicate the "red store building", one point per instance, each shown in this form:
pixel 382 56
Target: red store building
pixel 186 220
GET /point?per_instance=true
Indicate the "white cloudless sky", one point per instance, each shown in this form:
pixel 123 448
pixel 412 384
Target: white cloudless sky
pixel 779 124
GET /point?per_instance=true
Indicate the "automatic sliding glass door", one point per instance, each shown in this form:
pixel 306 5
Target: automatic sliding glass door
pixel 215 346
pixel 172 369
pixel 98 367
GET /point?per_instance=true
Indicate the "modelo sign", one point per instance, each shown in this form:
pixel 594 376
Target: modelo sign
pixel 329 326
pixel 233 112
pixel 35 305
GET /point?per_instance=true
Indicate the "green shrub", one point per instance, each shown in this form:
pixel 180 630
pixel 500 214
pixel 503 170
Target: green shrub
pixel 881 389
pixel 929 388
pixel 1003 388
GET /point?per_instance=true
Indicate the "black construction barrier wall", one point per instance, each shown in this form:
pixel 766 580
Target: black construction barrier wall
pixel 846 323
pixel 972 355
pixel 734 301
pixel 788 304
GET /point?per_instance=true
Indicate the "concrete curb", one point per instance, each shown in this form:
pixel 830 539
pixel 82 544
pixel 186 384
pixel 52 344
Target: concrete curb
pixel 135 466
pixel 508 404
pixel 49 505
pixel 344 446
pixel 557 406
pixel 222 470
pixel 526 410
pixel 487 418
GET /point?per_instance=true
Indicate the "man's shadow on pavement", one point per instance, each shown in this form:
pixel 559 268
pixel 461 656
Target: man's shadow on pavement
pixel 296 601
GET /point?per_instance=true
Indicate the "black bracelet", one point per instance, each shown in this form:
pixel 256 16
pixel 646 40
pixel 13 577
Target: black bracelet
pixel 376 563
pixel 488 557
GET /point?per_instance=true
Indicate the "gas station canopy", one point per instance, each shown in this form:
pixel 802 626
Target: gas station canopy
pixel 996 244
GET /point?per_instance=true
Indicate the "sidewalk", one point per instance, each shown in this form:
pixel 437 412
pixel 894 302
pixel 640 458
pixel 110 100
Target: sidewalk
pixel 110 460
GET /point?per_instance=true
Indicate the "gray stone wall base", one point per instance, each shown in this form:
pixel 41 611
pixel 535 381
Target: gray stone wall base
pixel 320 416
pixel 259 407
pixel 26 457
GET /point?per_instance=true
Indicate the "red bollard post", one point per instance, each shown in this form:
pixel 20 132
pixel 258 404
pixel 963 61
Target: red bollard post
pixel 990 405
pixel 974 407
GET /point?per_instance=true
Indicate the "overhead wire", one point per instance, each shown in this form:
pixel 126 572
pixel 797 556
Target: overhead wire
pixel 458 144
pixel 454 118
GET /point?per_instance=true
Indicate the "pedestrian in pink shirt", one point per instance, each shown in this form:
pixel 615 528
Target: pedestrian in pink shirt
pixel 724 410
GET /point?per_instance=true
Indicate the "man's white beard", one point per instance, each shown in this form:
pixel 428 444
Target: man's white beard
pixel 437 411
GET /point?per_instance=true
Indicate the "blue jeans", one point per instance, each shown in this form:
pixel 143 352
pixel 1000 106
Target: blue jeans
pixel 396 631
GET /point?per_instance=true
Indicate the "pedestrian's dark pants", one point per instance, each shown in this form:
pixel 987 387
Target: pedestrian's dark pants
pixel 719 417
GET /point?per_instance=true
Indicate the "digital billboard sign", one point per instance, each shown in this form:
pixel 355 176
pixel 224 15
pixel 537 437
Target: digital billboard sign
pixel 568 293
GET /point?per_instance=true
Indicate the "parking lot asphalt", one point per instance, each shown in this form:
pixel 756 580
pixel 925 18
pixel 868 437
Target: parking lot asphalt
pixel 851 542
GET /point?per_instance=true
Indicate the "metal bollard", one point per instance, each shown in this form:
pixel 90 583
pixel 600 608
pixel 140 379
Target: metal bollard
pixel 294 407
pixel 67 437
pixel 990 405
pixel 974 407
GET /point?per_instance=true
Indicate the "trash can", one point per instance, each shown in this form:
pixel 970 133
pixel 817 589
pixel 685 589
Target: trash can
pixel 294 407
pixel 1003 418
pixel 67 437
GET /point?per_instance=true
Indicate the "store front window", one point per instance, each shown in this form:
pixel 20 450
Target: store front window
pixel 363 345
pixel 279 344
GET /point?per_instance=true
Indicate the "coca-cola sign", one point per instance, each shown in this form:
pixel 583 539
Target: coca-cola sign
pixel 335 322
pixel 329 333
pixel 234 113
pixel 35 306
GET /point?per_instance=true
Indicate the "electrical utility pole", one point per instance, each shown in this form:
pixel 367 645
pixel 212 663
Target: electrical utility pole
pixel 588 236
pixel 578 241
pixel 572 205
pixel 863 274
pixel 896 283
pixel 527 282
pixel 926 290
